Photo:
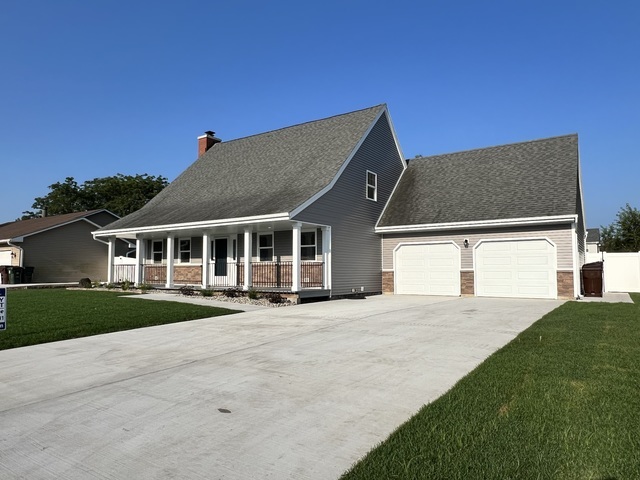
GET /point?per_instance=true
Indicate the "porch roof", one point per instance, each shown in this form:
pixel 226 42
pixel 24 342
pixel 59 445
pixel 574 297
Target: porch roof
pixel 258 176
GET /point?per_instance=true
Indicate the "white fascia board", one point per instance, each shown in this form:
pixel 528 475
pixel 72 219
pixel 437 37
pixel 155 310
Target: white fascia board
pixel 507 222
pixel 344 166
pixel 186 226
pixel 584 219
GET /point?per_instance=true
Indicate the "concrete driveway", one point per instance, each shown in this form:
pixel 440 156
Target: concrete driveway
pixel 292 393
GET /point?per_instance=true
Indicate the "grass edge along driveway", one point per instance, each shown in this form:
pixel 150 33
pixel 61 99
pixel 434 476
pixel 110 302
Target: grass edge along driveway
pixel 559 402
pixel 48 315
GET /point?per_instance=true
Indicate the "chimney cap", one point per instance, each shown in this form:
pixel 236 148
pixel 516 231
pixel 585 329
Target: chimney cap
pixel 210 133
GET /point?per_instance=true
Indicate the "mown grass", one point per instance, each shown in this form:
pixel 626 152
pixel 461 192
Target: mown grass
pixel 561 401
pixel 49 315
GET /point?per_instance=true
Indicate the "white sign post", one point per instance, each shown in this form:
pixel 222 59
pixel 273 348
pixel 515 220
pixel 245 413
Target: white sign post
pixel 3 308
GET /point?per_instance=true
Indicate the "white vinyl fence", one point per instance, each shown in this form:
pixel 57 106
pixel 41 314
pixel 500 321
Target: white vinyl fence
pixel 124 269
pixel 621 271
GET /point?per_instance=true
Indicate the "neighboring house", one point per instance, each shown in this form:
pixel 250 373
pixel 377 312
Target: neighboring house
pixel 504 221
pixel 593 240
pixel 292 209
pixel 61 248
pixel 329 208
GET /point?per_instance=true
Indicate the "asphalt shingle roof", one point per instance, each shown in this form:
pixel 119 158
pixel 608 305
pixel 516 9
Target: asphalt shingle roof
pixel 263 174
pixel 28 227
pixel 530 179
pixel 593 235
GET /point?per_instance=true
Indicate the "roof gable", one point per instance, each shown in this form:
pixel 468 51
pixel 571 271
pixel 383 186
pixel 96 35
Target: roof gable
pixel 24 228
pixel 521 180
pixel 593 235
pixel 265 174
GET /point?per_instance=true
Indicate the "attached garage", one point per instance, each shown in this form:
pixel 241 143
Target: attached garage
pixel 427 269
pixel 516 268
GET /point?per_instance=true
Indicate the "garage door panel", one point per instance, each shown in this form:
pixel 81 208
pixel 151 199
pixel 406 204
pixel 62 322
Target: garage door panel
pixel 516 268
pixel 428 269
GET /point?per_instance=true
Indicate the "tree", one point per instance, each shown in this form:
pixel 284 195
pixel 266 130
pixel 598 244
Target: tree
pixel 120 194
pixel 623 235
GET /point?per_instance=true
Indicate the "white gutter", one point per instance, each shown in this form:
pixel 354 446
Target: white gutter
pixel 507 222
pixel 187 226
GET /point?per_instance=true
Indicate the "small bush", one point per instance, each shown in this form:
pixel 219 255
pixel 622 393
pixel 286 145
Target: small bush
pixel 126 285
pixel 206 292
pixel 275 297
pixel 85 282
pixel 144 287
pixel 253 294
pixel 187 291
pixel 233 293
pixel 96 284
pixel 110 286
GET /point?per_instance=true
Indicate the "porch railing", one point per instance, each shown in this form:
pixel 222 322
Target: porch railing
pixel 231 274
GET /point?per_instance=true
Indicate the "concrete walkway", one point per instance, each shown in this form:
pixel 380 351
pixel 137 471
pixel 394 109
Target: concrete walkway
pixel 286 393
pixel 609 297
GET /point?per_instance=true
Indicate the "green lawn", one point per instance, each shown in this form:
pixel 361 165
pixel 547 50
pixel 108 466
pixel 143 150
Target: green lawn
pixel 562 401
pixel 48 315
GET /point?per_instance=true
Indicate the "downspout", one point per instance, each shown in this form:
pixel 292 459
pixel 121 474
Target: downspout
pixel 576 261
pixel 21 252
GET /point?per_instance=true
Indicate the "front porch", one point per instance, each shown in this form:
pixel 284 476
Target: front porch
pixel 257 257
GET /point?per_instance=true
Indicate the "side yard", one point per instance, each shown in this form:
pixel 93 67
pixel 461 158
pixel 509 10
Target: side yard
pixel 49 315
pixel 560 401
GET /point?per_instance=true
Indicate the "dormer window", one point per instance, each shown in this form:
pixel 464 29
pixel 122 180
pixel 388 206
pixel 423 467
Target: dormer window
pixel 372 186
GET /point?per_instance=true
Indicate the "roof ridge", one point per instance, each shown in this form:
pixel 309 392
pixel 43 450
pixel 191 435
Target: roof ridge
pixel 299 124
pixel 495 146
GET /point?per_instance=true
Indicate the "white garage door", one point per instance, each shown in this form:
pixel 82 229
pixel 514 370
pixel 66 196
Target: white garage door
pixel 516 268
pixel 431 269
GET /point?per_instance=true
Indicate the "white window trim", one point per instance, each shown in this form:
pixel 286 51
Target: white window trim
pixel 315 244
pixel 375 186
pixel 154 251
pixel 272 247
pixel 180 240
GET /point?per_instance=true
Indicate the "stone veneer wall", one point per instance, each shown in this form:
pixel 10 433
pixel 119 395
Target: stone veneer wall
pixel 387 282
pixel 565 284
pixel 466 283
pixel 187 274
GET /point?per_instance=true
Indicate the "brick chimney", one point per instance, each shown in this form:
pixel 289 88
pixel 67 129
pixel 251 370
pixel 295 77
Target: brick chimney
pixel 206 141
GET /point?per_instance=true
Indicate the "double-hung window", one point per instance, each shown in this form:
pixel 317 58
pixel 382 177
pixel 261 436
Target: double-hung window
pixel 308 245
pixel 265 247
pixel 156 251
pixel 372 186
pixel 185 250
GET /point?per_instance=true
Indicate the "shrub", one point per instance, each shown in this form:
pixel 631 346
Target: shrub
pixel 126 285
pixel 275 297
pixel 144 287
pixel 110 286
pixel 253 294
pixel 187 291
pixel 85 282
pixel 233 293
pixel 96 284
pixel 205 292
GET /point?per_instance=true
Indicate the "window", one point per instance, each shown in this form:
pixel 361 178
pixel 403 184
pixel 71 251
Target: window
pixel 185 250
pixel 372 186
pixel 265 247
pixel 156 251
pixel 308 245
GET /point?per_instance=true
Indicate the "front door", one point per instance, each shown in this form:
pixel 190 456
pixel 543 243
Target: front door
pixel 220 255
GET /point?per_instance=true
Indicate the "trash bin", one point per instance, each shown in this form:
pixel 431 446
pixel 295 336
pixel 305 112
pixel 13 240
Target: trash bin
pixel 15 274
pixel 592 279
pixel 27 274
pixel 4 275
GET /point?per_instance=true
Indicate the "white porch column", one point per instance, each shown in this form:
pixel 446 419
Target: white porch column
pixel 111 253
pixel 140 254
pixel 326 257
pixel 295 269
pixel 170 242
pixel 247 259
pixel 206 244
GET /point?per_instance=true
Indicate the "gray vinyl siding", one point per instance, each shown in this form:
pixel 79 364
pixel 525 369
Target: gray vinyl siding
pixel 282 245
pixel 355 247
pixel 67 254
pixel 560 235
pixel 102 218
pixel 196 249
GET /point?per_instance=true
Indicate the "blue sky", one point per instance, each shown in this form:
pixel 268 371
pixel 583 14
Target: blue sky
pixel 93 88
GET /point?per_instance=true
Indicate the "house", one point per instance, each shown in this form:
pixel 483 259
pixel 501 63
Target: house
pixel 504 221
pixel 60 248
pixel 292 209
pixel 330 208
pixel 593 240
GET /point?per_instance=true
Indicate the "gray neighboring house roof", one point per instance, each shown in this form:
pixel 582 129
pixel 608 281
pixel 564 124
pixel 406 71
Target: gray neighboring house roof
pixel 593 235
pixel 33 226
pixel 539 178
pixel 263 174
